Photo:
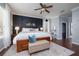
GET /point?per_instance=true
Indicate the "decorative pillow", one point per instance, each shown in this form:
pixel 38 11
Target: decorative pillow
pixel 32 38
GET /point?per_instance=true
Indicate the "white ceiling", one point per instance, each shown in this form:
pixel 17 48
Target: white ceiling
pixel 27 9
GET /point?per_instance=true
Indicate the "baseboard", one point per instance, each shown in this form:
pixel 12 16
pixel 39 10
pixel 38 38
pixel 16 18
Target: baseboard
pixel 3 50
pixel 59 38
pixel 75 43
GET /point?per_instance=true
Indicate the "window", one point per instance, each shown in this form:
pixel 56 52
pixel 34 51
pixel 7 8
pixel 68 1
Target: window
pixel 1 23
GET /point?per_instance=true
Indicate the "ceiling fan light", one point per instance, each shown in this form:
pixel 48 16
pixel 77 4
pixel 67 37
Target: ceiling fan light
pixel 42 9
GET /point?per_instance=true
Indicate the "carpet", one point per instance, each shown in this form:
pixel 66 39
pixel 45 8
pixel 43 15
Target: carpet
pixel 55 50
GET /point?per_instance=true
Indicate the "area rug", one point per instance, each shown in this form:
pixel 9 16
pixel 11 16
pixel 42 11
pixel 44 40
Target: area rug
pixel 55 50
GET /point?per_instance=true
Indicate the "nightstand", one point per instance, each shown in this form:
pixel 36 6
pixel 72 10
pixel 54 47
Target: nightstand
pixel 12 36
pixel 53 35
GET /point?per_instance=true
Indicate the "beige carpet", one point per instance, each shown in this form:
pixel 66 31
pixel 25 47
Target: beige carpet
pixel 55 50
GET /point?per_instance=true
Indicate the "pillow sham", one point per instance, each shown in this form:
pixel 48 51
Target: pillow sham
pixel 36 29
pixel 29 29
pixel 26 29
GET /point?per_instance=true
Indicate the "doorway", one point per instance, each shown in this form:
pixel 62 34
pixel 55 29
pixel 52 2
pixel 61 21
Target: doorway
pixel 63 30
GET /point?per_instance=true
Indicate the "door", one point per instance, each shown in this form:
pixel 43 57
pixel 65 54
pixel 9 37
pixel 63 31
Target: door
pixel 63 30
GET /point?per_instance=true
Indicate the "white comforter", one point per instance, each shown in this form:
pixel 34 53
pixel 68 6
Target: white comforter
pixel 24 35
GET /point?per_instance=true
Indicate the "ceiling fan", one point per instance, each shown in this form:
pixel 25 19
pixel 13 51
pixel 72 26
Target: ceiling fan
pixel 44 8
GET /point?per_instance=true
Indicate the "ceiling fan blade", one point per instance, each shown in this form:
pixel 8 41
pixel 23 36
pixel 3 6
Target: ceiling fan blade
pixel 47 10
pixel 49 6
pixel 41 5
pixel 38 9
pixel 41 12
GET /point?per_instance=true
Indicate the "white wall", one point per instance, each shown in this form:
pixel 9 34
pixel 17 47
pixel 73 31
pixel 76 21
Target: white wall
pixel 56 22
pixel 75 25
pixel 11 23
pixel 53 22
pixel 46 25
pixel 69 26
pixel 1 17
pixel 67 20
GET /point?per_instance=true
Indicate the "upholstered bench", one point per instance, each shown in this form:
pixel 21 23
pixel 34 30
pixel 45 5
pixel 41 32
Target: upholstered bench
pixel 38 46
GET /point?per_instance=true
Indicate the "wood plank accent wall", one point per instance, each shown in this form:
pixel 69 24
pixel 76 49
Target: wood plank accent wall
pixel 21 21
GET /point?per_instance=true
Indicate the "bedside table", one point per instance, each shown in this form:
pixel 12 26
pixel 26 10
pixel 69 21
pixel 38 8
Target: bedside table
pixel 12 36
pixel 53 35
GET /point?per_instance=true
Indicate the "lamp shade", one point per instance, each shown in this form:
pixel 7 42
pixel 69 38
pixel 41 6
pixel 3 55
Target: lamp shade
pixel 17 28
pixel 54 27
pixel 41 28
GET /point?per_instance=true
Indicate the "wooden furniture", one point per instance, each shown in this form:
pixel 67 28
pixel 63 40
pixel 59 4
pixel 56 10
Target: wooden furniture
pixel 22 44
pixel 38 46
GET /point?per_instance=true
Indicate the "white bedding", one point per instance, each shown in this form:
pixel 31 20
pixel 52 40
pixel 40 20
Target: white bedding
pixel 24 35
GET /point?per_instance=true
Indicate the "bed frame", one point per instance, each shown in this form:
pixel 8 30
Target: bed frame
pixel 22 45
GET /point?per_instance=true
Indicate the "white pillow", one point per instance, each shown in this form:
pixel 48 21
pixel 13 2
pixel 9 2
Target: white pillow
pixel 36 29
pixel 29 29
pixel 26 29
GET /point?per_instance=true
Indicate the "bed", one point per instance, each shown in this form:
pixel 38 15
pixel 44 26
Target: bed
pixel 21 40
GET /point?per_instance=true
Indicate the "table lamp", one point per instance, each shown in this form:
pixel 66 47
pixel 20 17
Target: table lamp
pixel 17 29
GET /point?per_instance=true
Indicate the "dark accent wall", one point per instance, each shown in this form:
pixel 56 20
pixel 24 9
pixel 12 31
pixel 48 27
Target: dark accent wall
pixel 21 21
